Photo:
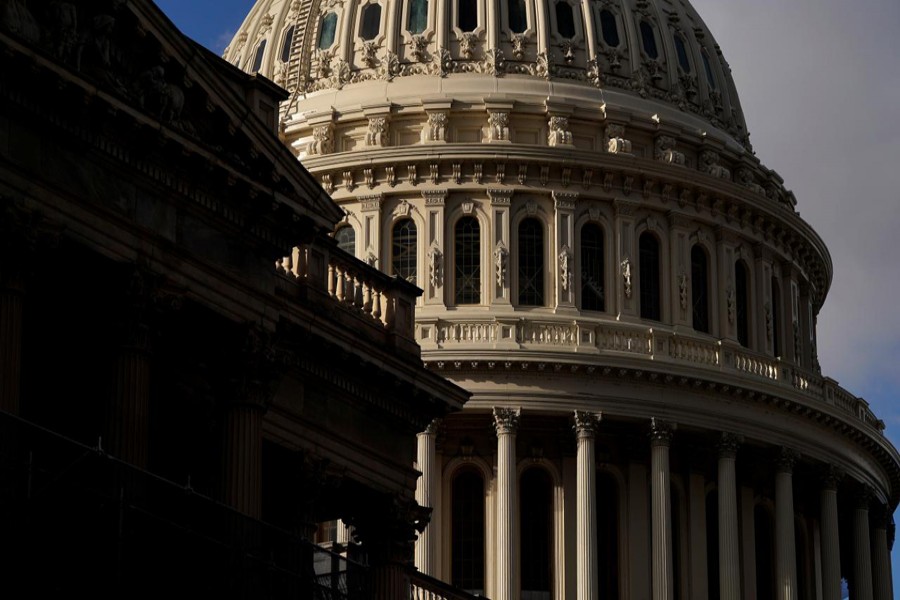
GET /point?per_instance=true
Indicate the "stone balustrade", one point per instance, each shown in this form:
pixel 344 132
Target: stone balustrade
pixel 630 341
pixel 384 301
pixel 423 587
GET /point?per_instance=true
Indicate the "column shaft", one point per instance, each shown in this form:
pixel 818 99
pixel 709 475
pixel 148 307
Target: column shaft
pixel 785 545
pixel 243 458
pixel 881 564
pixel 586 503
pixel 861 585
pixel 729 552
pixel 506 422
pixel 128 427
pixel 661 512
pixel 426 552
pixel 831 548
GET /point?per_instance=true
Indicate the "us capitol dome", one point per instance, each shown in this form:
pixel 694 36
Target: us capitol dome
pixel 629 294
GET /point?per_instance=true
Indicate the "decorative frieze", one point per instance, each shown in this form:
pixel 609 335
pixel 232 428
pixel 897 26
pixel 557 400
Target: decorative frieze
pixel 506 420
pixel 665 151
pixel 559 134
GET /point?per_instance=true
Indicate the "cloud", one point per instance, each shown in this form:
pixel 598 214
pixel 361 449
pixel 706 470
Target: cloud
pixel 221 42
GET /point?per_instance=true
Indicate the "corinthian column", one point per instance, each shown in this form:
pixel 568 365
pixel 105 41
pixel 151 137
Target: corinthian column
pixel 861 584
pixel 729 551
pixel 785 546
pixel 881 555
pixel 661 509
pixel 506 422
pixel 586 501
pixel 831 547
pixel 426 551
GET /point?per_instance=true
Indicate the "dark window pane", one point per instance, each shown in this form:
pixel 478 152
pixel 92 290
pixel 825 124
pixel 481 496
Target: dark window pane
pixel 531 263
pixel 518 17
pixel 536 527
pixel 467 15
pixel 648 268
pixel 710 78
pixel 468 261
pixel 681 51
pixel 742 301
pixel 346 239
pixel 286 44
pixel 592 267
pixel 467 532
pixel 565 20
pixel 327 32
pixel 371 22
pixel 776 317
pixel 403 255
pixel 417 19
pixel 257 60
pixel 609 28
pixel 649 40
pixel 700 289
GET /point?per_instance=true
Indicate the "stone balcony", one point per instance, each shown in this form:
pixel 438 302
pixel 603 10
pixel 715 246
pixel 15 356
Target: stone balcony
pixel 606 346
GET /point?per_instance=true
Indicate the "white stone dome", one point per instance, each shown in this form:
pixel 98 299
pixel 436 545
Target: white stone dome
pixel 643 57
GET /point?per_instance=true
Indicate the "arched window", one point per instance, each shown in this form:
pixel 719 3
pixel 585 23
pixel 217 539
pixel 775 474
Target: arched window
pixel 371 21
pixel 346 239
pixel 592 296
pixel 536 527
pixel 700 288
pixel 607 535
pixel 286 44
pixel 327 30
pixel 776 317
pixel 467 532
pixel 467 15
pixel 648 268
pixel 467 261
pixel 403 254
pixel 712 545
pixel 417 17
pixel 565 20
pixel 258 57
pixel 710 77
pixel 681 52
pixel 764 534
pixel 518 17
pixel 648 38
pixel 531 263
pixel 742 303
pixel 609 28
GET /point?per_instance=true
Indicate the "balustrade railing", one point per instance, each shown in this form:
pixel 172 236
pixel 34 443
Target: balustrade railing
pixel 423 587
pixel 659 344
pixel 387 302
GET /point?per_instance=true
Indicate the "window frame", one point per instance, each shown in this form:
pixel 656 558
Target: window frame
pixel 540 275
pixel 478 278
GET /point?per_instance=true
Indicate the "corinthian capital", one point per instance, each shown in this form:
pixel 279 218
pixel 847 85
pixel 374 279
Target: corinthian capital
pixel 586 423
pixel 506 420
pixel 785 459
pixel 728 445
pixel 661 432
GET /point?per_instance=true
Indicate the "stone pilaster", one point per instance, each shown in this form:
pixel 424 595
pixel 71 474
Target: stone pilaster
pixel 861 583
pixel 785 545
pixel 586 502
pixel 506 422
pixel 881 555
pixel 830 531
pixel 426 495
pixel 661 509
pixel 729 549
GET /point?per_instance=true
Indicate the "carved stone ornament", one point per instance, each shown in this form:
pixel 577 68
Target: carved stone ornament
pixel 468 207
pixel 568 48
pixel 559 134
pixel 323 140
pixel 518 45
pixel 709 164
pixel 506 420
pixel 496 63
pixel 501 255
pixel 626 276
pixel 498 123
pixel 831 477
pixel 615 140
pixel 435 267
pixel 418 45
pixel 785 459
pixel 661 432
pixel 665 151
pixel 682 290
pixel 467 43
pixel 436 128
pixel 377 132
pixel 565 268
pixel 731 301
pixel 728 445
pixel 767 307
pixel 435 427
pixel 586 423
pixel 403 209
pixel 745 178
pixel 370 54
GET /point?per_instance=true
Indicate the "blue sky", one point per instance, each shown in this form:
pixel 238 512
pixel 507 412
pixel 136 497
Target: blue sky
pixel 820 85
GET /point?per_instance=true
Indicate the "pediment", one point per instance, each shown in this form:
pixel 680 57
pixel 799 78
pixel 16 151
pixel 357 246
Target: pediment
pixel 135 58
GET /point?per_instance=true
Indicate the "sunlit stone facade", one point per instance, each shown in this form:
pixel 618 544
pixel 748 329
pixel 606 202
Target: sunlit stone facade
pixel 628 293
